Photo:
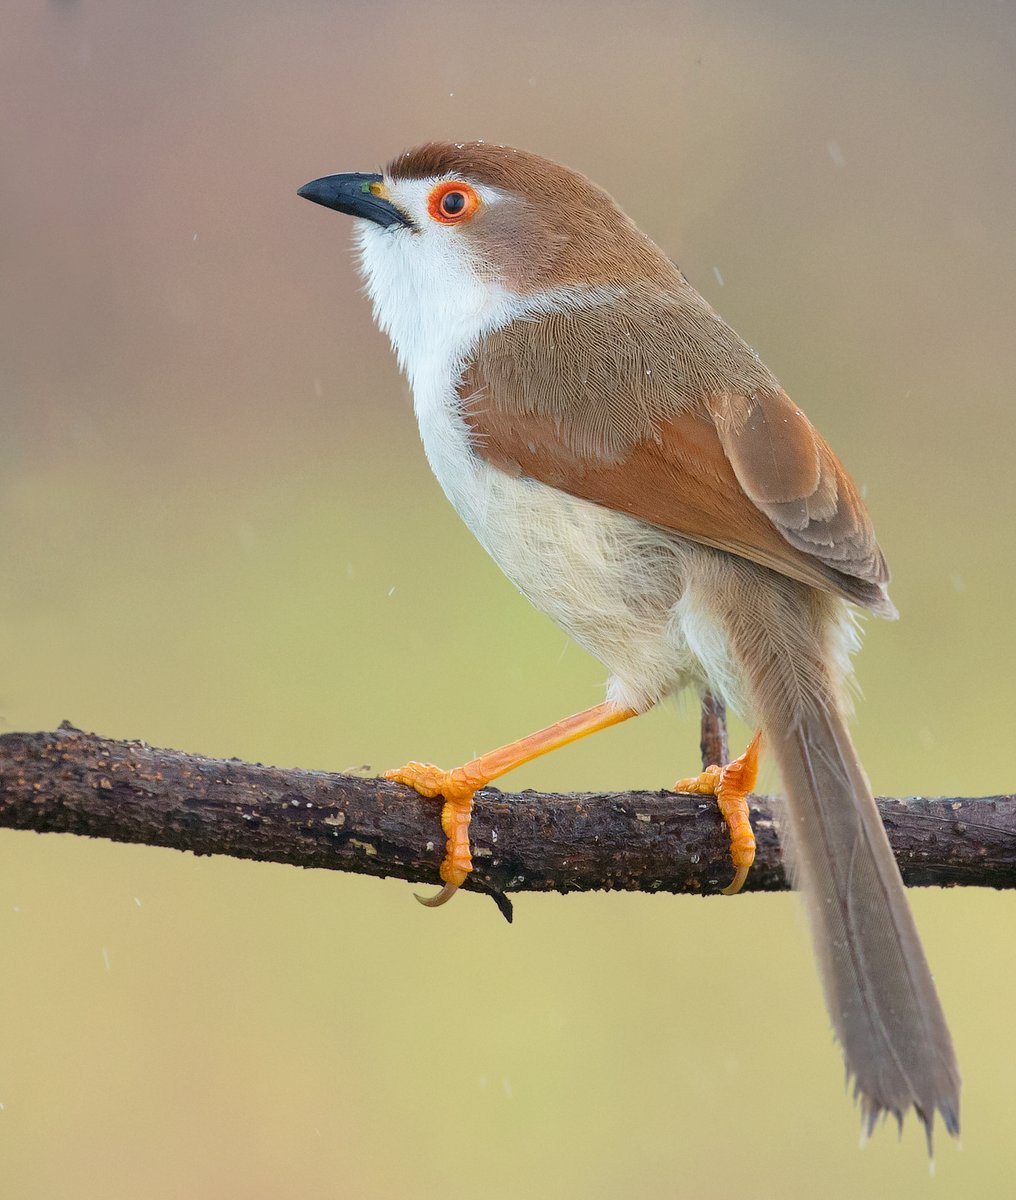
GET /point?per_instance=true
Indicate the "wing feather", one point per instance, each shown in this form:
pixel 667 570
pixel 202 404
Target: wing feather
pixel 716 452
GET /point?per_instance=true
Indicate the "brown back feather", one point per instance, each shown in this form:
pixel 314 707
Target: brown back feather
pixel 655 407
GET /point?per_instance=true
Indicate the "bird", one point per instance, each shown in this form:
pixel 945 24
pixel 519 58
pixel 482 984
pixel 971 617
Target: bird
pixel 640 475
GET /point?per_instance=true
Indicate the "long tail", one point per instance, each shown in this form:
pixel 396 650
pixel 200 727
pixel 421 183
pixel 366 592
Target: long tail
pixel 879 990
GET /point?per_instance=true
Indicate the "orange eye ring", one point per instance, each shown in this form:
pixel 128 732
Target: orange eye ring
pixel 453 202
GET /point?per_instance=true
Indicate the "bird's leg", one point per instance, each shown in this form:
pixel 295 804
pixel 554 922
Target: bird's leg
pixel 730 783
pixel 713 743
pixel 458 787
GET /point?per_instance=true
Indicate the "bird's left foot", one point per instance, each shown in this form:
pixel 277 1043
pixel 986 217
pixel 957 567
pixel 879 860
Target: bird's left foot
pixel 457 788
pixel 731 785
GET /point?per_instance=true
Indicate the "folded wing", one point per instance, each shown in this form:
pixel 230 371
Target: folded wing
pixel 664 421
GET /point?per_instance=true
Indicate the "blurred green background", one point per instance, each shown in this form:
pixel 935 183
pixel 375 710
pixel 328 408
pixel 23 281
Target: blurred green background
pixel 218 532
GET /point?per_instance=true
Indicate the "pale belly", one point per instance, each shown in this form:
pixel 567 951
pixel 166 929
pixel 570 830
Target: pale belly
pixel 615 584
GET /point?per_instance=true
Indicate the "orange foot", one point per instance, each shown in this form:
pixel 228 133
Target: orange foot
pixel 731 786
pixel 458 788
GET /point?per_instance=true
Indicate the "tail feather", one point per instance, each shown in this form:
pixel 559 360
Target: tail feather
pixel 878 987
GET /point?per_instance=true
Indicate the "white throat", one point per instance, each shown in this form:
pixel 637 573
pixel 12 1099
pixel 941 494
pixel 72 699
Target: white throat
pixel 429 298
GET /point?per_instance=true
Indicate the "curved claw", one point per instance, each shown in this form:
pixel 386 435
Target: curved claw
pixel 439 898
pixel 735 885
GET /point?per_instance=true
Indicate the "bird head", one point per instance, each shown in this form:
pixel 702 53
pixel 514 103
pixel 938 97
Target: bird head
pixel 458 238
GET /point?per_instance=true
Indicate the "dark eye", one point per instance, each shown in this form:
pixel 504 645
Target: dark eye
pixel 452 203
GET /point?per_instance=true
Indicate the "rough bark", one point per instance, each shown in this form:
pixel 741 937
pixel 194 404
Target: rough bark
pixel 68 781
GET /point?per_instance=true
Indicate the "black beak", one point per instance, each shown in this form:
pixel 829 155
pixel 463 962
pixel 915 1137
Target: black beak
pixel 351 193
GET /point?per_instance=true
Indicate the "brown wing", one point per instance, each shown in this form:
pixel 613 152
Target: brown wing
pixel 788 471
pixel 746 473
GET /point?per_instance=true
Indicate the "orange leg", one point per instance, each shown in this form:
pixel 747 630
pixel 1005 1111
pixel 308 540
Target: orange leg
pixel 731 785
pixel 458 787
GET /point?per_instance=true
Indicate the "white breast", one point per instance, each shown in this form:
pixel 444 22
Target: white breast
pixel 612 582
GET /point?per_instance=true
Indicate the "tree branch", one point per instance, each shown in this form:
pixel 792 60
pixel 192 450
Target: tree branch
pixel 74 782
